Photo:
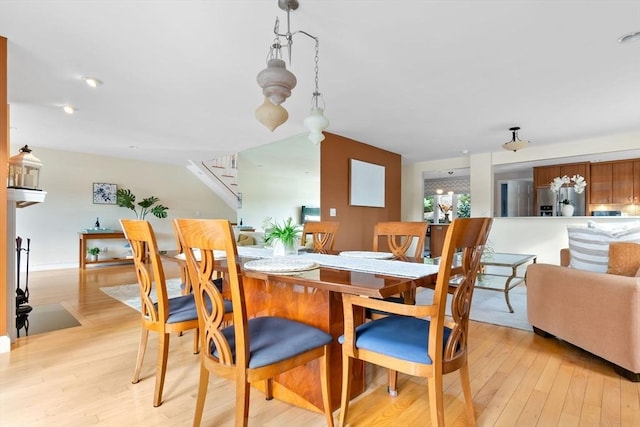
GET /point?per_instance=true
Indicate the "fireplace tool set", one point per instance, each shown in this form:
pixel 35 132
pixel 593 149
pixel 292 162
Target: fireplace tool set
pixel 22 295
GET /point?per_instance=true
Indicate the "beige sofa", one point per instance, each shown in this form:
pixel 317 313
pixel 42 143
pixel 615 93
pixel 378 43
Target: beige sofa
pixel 597 312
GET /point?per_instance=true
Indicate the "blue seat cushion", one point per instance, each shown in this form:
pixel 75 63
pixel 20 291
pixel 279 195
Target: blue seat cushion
pixel 402 337
pixel 183 308
pixel 273 339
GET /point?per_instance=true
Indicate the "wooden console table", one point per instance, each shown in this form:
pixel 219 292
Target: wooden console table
pixel 86 236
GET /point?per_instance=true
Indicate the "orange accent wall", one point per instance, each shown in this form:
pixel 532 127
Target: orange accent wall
pixel 4 158
pixel 356 222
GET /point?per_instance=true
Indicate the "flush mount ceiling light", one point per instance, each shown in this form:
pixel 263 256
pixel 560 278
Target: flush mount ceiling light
pixel 516 143
pixel 277 82
pixel 69 109
pixel 92 81
pixel 631 37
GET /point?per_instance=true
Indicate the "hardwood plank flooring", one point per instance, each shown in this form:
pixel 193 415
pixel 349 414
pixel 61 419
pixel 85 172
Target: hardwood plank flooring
pixel 82 376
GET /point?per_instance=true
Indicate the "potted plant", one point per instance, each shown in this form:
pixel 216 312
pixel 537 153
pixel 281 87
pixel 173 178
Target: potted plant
pixel 283 238
pixel 93 253
pixel 126 199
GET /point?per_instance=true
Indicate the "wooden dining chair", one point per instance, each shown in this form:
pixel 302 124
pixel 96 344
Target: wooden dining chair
pixel 250 350
pixel 323 235
pixel 185 284
pixel 417 339
pixel 159 313
pixel 400 236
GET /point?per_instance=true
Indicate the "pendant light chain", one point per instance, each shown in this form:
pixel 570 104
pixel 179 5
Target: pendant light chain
pixel 316 69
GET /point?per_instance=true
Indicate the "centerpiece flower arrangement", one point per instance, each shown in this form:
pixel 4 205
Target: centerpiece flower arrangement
pixel 579 184
pixel 283 237
pixel 446 210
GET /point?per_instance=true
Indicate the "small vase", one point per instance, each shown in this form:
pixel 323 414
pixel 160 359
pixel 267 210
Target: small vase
pixel 567 210
pixel 280 249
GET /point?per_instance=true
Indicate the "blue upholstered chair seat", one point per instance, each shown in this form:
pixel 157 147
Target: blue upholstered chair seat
pixel 183 308
pixel 402 337
pixel 273 339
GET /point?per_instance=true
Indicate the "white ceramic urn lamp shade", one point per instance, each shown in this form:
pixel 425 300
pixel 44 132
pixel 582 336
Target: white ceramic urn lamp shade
pixel 271 115
pixel 316 122
pixel 276 81
pixel 24 170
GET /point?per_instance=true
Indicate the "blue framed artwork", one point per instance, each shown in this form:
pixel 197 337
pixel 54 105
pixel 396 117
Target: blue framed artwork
pixel 104 194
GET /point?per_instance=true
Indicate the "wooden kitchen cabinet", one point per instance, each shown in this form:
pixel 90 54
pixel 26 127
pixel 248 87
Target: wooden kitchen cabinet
pixel 543 175
pixel 622 185
pixel 636 181
pixel 575 169
pixel 601 186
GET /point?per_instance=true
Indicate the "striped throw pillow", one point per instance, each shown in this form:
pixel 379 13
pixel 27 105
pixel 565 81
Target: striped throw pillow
pixel 589 246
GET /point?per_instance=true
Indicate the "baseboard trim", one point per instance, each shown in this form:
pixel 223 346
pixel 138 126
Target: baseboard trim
pixel 5 343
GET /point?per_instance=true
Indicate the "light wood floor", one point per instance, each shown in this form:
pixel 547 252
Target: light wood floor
pixel 82 376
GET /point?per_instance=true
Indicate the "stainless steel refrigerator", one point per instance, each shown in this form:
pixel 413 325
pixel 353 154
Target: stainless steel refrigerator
pixel 549 202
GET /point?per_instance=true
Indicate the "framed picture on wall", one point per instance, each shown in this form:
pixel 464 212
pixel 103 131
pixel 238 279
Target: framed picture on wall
pixel 104 194
pixel 366 184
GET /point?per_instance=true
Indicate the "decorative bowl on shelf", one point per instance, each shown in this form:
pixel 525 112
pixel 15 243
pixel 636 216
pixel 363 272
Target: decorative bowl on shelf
pixel 97 230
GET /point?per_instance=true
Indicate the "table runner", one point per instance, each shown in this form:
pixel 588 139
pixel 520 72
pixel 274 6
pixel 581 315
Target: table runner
pixel 411 270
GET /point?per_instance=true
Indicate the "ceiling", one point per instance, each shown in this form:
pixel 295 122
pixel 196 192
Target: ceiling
pixel 425 79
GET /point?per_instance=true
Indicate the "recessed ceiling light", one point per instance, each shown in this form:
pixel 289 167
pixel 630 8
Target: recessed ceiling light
pixel 92 81
pixel 69 109
pixel 631 37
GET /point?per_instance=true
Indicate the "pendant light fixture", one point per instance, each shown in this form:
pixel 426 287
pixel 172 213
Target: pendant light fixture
pixel 271 115
pixel 277 82
pixel 516 143
pixel 316 122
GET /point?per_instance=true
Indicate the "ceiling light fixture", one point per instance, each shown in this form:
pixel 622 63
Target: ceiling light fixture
pixel 69 109
pixel 631 37
pixel 277 82
pixel 92 81
pixel 516 143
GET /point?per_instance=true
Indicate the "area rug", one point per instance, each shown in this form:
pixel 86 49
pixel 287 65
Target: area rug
pixel 490 306
pixel 130 294
pixel 487 306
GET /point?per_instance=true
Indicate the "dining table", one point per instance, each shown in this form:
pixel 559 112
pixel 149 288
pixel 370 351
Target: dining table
pixel 314 296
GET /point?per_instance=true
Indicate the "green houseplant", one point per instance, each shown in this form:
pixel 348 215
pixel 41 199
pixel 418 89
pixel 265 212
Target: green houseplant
pixel 93 253
pixel 284 238
pixel 126 199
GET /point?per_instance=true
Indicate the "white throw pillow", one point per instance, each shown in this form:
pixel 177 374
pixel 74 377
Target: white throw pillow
pixel 589 246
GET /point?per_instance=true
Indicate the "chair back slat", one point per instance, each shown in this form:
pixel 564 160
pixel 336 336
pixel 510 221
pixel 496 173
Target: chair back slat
pixel 400 235
pixel 323 235
pixel 149 270
pixel 461 255
pixel 206 237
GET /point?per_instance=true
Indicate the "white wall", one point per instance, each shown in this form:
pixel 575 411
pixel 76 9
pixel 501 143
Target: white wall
pixel 541 236
pixel 68 178
pixel 274 192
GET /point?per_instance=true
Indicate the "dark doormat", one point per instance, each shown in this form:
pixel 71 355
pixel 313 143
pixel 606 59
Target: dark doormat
pixel 46 318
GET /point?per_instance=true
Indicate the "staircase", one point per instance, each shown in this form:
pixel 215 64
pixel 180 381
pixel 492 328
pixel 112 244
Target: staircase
pixel 221 176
